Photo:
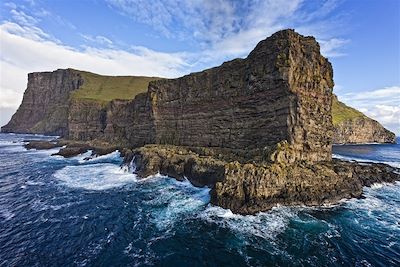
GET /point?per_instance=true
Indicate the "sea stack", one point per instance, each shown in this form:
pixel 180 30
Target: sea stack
pixel 280 94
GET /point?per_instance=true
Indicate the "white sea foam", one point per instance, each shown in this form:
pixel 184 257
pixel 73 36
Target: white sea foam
pixel 33 183
pixel 174 200
pixel 390 163
pixel 94 176
pixel 380 200
pixel 10 143
pixel 266 225
pixel 11 146
pixel 79 158
pixel 379 185
pixel 6 214
pixel 86 157
pixel 46 152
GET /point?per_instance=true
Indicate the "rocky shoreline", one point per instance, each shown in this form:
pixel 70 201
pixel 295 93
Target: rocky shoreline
pixel 245 185
pixel 258 130
pixel 249 186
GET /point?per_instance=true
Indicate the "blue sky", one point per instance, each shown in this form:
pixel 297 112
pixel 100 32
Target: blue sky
pixel 173 38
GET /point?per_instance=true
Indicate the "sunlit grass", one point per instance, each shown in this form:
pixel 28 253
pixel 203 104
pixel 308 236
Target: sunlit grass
pixel 106 88
pixel 342 112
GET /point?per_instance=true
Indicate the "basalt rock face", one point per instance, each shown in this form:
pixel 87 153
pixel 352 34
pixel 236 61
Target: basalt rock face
pixel 353 127
pixel 130 123
pixel 50 107
pixel 45 105
pixel 281 92
pixel 121 122
pixel 361 131
pixel 86 120
pixel 257 130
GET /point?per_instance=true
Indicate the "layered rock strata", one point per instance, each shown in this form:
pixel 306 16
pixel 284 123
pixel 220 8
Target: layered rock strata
pixel 45 105
pixel 281 91
pixel 257 130
pixel 353 127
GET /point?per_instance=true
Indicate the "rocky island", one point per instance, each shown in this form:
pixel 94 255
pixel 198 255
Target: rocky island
pixel 258 131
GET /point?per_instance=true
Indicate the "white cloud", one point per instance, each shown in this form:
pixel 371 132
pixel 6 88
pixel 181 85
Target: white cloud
pixel 382 105
pixel 28 49
pixel 331 47
pixel 21 18
pixel 10 5
pixel 232 28
pixel 224 29
pixel 99 39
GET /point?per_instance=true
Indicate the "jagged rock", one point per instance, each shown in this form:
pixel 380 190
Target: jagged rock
pixel 176 162
pixel 40 145
pixel 353 127
pixel 73 148
pixel 69 152
pixel 257 130
pixel 281 92
pixel 248 188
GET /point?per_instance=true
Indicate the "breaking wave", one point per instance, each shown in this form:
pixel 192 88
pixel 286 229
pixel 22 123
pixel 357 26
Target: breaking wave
pixel 359 159
pixel 91 212
pixel 94 176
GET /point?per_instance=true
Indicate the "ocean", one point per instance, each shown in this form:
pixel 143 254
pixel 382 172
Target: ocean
pixel 76 212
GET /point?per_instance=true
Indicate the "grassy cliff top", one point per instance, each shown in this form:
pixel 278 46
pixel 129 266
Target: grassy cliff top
pixel 106 88
pixel 342 112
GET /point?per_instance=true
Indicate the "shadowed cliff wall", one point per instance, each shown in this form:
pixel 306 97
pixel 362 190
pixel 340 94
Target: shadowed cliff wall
pixel 45 105
pixel 281 91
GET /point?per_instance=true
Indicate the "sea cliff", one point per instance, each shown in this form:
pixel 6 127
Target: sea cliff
pixel 258 130
pixel 353 127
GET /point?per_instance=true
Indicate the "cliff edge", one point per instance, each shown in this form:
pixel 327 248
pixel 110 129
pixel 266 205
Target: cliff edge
pixel 257 130
pixel 353 127
pixel 72 103
pixel 45 105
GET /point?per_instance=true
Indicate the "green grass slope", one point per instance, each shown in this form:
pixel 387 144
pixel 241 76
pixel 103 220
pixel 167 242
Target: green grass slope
pixel 342 112
pixel 106 88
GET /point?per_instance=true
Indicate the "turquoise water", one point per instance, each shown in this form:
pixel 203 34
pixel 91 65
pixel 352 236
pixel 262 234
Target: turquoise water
pixel 72 212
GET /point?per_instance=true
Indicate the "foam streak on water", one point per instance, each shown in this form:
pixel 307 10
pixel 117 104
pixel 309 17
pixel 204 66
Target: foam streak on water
pixel 92 212
pixel 94 176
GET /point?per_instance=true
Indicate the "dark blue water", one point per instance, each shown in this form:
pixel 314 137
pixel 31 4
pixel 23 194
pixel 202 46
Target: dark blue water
pixel 71 212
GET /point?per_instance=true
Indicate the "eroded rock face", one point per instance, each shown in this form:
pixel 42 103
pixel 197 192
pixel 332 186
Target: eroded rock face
pixel 130 123
pixel 362 130
pixel 353 127
pixel 250 187
pixel 281 91
pixel 45 105
pixel 86 120
pixel 257 130
pixel 176 162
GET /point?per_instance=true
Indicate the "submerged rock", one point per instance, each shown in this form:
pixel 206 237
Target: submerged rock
pixel 68 152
